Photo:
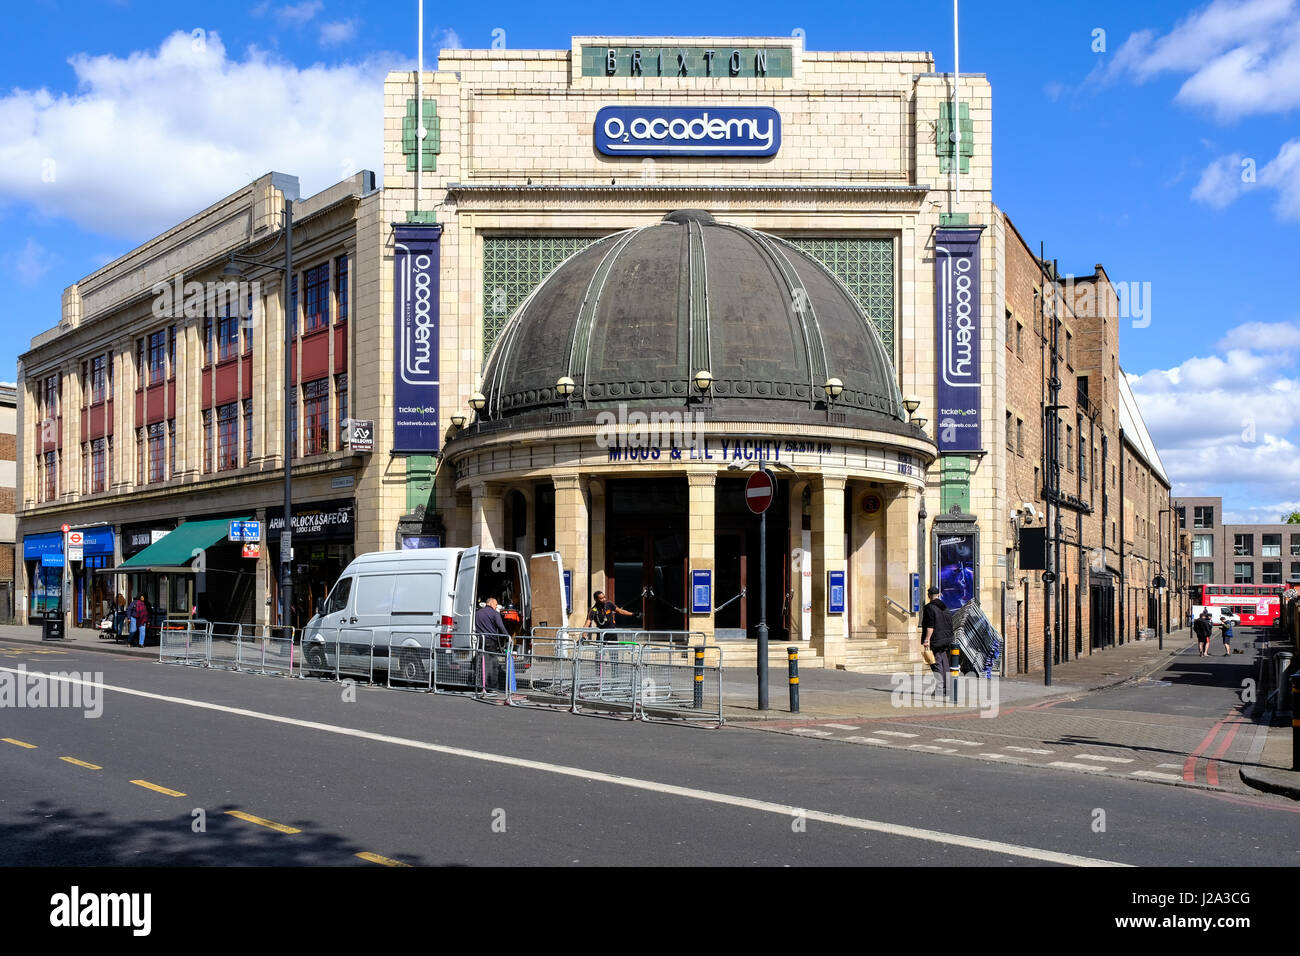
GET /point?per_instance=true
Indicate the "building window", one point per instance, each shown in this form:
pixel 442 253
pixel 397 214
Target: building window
pixel 1295 545
pixel 207 440
pixel 341 288
pixel 1243 544
pixel 50 401
pixel 1182 518
pixel 1203 517
pixel 247 325
pixel 1203 572
pixel 1011 437
pixel 1271 572
pixel 51 476
pixel 1069 448
pixel 293 425
pixel 316 398
pixel 1271 546
pixel 157 356
pixel 317 285
pixel 341 392
pixel 228 436
pixel 1069 349
pixel 209 336
pixel 98 379
pixel 141 476
pixel 1295 569
pixel 1243 572
pixel 157 449
pixel 1020 437
pixel 171 447
pixel 171 351
pixel 293 305
pixel 1202 545
pixel 248 431
pixel 98 465
pixel 227 336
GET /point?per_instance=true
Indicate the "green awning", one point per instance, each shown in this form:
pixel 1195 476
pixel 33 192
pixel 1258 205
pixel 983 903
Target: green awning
pixel 176 549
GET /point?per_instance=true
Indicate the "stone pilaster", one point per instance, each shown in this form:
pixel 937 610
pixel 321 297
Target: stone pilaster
pixel 702 505
pixel 572 517
pixel 901 627
pixel 829 634
pixel 487 515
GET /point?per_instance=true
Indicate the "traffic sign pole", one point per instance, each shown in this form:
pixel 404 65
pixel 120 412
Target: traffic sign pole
pixel 760 489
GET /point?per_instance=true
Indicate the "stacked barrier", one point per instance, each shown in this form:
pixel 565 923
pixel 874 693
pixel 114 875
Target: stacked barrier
pixel 665 675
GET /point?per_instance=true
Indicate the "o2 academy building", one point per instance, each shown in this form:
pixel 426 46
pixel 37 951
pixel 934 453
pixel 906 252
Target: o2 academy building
pixel 650 264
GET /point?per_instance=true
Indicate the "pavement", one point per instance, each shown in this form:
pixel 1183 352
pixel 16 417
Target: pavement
pixel 1137 710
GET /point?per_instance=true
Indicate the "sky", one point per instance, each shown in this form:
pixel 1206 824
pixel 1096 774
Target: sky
pixel 1157 138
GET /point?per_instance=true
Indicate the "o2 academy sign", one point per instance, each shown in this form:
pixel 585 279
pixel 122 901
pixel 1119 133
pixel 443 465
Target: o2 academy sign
pixel 688 131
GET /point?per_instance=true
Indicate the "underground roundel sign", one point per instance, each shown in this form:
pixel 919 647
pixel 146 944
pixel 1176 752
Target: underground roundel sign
pixel 759 492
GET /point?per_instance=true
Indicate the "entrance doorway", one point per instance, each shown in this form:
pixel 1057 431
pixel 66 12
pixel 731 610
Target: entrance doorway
pixel 1101 611
pixel 738 563
pixel 647 550
pixel 731 577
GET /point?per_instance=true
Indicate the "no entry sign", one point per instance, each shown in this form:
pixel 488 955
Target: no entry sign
pixel 759 492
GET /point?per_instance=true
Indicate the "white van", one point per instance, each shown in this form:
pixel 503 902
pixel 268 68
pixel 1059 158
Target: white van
pixel 381 594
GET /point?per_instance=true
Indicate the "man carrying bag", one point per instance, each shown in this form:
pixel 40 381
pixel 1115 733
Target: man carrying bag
pixel 936 637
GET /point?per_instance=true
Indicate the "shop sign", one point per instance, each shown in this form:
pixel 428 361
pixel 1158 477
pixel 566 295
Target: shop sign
pixel 724 61
pixel 321 521
pixel 413 542
pixel 957 332
pixel 245 531
pixel 361 435
pixel 701 591
pixel 722 449
pixel 416 259
pixel 688 131
pixel 252 551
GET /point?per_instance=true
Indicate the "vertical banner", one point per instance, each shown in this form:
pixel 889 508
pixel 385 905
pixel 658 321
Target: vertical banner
pixel 415 338
pixel 957 335
pixel 956 560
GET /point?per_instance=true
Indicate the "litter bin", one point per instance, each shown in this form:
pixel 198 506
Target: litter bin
pixel 52 628
pixel 1281 668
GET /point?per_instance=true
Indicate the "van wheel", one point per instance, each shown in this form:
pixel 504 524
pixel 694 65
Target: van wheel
pixel 317 666
pixel 411 667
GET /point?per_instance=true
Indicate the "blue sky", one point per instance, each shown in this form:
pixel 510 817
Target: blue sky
pixel 1166 146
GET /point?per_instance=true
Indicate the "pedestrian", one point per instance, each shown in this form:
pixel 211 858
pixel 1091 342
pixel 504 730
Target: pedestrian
pixel 491 627
pixel 140 615
pixel 936 636
pixel 1227 622
pixel 1203 628
pixel 604 614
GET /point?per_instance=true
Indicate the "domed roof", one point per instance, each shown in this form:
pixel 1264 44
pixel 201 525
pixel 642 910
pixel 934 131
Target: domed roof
pixel 632 318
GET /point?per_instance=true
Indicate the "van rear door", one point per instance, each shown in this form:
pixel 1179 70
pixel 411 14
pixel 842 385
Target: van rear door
pixel 466 593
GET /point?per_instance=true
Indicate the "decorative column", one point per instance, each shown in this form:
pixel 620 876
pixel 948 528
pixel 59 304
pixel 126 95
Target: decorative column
pixel 828 630
pixel 487 515
pixel 901 628
pixel 702 497
pixel 596 495
pixel 572 517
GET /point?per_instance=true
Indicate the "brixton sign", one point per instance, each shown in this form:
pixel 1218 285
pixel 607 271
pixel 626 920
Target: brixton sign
pixel 688 131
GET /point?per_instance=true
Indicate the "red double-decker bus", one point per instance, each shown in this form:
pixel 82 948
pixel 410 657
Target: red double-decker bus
pixel 1257 605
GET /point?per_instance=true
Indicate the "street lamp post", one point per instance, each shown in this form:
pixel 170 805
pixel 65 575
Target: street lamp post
pixel 290 327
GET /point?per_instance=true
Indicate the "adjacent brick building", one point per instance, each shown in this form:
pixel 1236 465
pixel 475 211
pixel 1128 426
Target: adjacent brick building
pixel 1237 553
pixel 8 484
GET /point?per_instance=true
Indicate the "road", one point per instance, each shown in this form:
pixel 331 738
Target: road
pixel 288 772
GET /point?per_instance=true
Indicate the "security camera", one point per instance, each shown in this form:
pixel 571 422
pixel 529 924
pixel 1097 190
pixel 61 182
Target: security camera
pixel 1029 510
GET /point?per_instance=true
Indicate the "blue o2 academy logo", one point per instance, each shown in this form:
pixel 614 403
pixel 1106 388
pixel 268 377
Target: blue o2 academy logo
pixel 688 131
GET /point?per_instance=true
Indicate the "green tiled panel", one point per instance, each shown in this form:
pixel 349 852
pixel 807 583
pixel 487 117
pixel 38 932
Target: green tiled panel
pixel 943 137
pixel 512 267
pixel 866 267
pixel 432 141
pixel 954 483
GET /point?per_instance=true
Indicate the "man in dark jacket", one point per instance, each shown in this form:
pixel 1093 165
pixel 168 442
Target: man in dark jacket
pixel 1203 628
pixel 936 634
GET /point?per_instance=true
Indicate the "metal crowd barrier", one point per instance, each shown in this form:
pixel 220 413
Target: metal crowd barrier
pixel 608 673
pixel 182 641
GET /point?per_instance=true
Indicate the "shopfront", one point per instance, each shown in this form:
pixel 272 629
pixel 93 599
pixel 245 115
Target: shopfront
pixel 324 543
pixel 93 594
pixel 44 563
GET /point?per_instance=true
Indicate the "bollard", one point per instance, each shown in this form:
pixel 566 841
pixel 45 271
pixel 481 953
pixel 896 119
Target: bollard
pixel 699 678
pixel 1295 721
pixel 793 654
pixel 954 668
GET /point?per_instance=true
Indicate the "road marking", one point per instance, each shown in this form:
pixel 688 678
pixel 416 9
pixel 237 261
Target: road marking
pixel 1156 774
pixel 1077 766
pixel 810 731
pixel 942 750
pixel 782 810
pixel 867 740
pixel 381 860
pixel 1104 757
pixel 153 786
pixel 1003 757
pixel 262 822
pixel 18 743
pixel 82 763
pixel 964 743
pixel 895 733
pixel 839 726
pixel 1170 766
pixel 1026 750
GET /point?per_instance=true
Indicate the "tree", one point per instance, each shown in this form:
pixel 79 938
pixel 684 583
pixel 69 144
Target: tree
pixel 1292 518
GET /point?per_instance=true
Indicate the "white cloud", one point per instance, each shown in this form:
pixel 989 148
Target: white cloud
pixel 338 31
pixel 447 39
pixel 1226 178
pixel 149 139
pixel 1242 57
pixel 298 14
pixel 1229 423
pixel 30 262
